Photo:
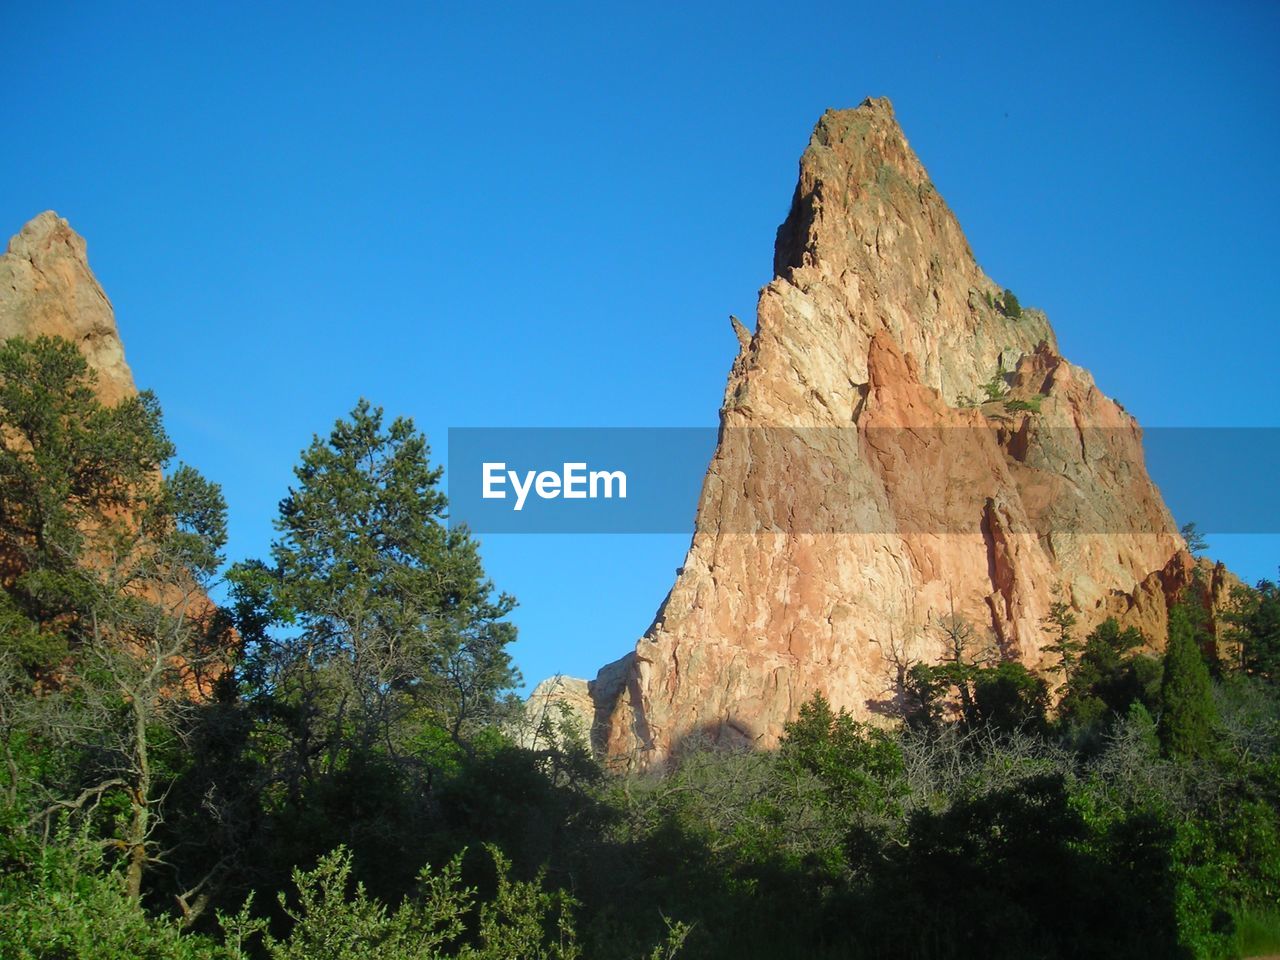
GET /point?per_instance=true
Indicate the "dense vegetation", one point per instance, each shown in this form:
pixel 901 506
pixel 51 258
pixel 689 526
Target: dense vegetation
pixel 329 767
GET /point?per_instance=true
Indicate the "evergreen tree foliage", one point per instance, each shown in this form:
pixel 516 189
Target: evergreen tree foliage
pixel 1010 697
pixel 1194 539
pixel 1009 305
pixel 76 477
pixel 106 597
pixel 1256 630
pixel 1061 623
pixel 860 765
pixel 376 651
pixel 1186 695
pixel 385 604
pixel 310 786
pixel 1109 676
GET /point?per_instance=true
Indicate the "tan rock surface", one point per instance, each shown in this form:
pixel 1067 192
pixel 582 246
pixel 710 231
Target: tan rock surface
pixel 47 288
pixel 553 703
pixel 858 492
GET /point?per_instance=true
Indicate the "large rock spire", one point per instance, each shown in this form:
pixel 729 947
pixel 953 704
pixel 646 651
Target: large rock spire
pixel 867 482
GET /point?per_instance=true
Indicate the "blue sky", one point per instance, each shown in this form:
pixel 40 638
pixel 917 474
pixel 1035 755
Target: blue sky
pixel 541 215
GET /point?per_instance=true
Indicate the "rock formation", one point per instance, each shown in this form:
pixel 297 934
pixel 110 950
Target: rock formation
pixel 47 288
pixel 557 707
pixel 899 442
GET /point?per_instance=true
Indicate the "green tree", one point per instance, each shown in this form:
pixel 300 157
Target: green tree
pixel 923 692
pixel 112 562
pixel 1061 623
pixel 1186 693
pixel 1009 305
pixel 72 473
pixel 1010 697
pixel 860 765
pixel 388 607
pixel 1108 677
pixel 377 647
pixel 1255 628
pixel 1195 540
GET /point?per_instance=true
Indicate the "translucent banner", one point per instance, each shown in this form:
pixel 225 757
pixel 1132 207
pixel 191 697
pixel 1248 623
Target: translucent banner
pixel 816 480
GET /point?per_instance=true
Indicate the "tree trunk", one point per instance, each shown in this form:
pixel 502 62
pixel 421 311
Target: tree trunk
pixel 140 821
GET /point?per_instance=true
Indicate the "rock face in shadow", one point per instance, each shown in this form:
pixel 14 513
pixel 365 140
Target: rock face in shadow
pixel 47 288
pixel 897 443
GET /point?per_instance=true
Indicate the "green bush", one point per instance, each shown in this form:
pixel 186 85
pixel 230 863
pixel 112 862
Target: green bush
pixel 332 919
pixel 64 903
pixel 1031 406
pixel 1009 306
pixel 1257 933
pixel 1010 697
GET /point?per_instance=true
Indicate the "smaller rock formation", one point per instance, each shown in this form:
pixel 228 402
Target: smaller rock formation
pixel 47 289
pixel 557 706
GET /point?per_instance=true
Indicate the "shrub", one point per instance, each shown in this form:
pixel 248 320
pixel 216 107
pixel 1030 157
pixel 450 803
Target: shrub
pixel 1009 305
pixel 63 903
pixel 1031 406
pixel 995 388
pixel 522 919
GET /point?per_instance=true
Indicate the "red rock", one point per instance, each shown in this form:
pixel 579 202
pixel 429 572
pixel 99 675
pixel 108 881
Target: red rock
pixel 852 407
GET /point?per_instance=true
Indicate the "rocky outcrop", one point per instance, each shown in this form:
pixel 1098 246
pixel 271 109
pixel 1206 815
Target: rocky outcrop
pixel 47 288
pixel 898 443
pixel 556 708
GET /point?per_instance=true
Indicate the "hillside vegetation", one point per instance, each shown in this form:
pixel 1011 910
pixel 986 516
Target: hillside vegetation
pixel 326 765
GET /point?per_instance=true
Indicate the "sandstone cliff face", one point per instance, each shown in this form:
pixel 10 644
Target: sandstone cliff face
pixel 863 486
pixel 47 288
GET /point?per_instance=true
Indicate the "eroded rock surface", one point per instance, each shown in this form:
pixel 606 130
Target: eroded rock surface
pixel 866 482
pixel 556 708
pixel 47 289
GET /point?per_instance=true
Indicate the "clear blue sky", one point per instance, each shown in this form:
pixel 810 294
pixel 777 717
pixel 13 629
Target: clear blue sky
pixel 543 215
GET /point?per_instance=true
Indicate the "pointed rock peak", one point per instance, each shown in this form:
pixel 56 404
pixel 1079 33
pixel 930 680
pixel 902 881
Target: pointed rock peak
pixel 925 389
pixel 47 289
pixel 859 143
pixel 47 234
pixel 857 172
pixel 45 222
pixel 856 126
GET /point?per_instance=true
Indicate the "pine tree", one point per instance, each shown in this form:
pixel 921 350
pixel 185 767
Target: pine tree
pixel 1062 623
pixel 387 621
pixel 71 471
pixel 1186 694
pixel 110 563
pixel 1255 622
